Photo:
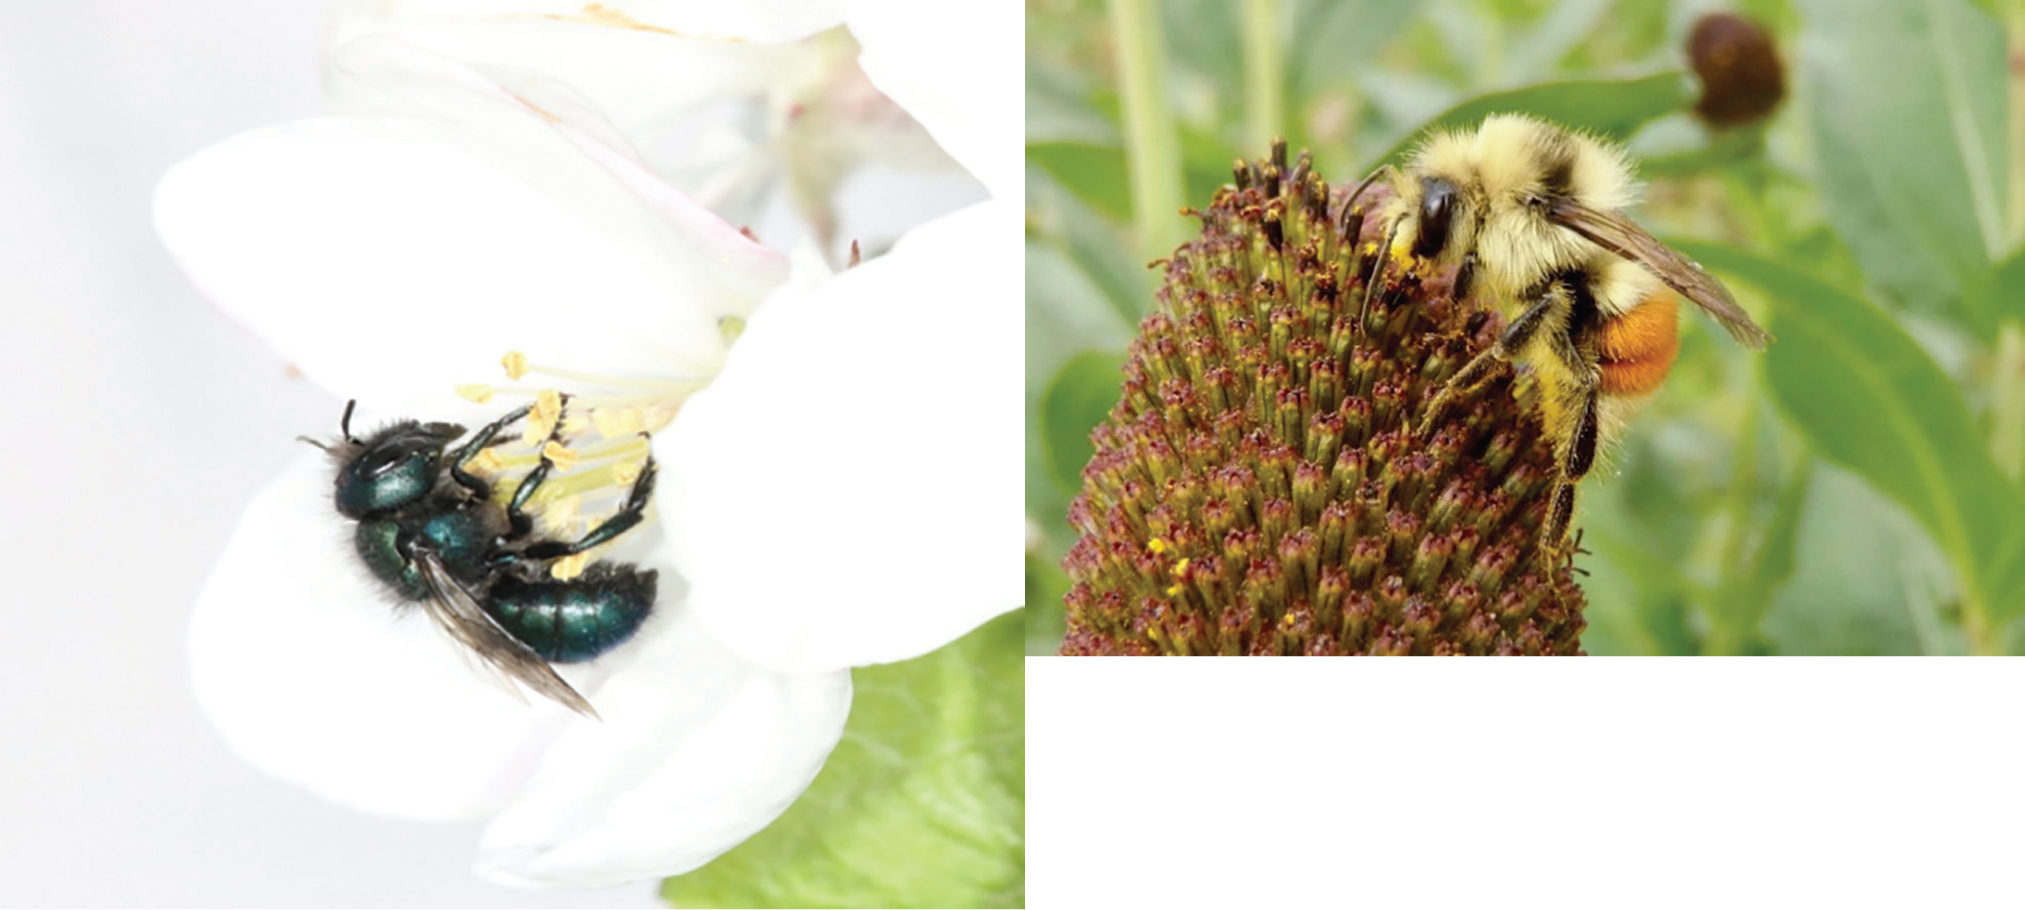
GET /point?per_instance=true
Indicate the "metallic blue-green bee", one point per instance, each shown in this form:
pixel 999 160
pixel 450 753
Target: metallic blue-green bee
pixel 429 529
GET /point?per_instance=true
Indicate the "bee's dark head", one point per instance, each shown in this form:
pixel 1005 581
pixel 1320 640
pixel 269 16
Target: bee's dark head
pixel 391 468
pixel 1437 206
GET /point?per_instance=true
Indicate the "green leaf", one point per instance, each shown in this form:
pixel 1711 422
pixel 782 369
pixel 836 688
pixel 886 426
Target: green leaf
pixel 1613 109
pixel 1906 105
pixel 1998 295
pixel 1859 563
pixel 1076 401
pixel 1333 39
pixel 921 805
pixel 1047 584
pixel 1868 398
pixel 1096 174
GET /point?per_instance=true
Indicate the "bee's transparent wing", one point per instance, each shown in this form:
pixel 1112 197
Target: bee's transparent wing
pixel 1617 234
pixel 501 656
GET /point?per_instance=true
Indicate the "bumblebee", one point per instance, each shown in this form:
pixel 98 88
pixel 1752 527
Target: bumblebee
pixel 430 531
pixel 1531 217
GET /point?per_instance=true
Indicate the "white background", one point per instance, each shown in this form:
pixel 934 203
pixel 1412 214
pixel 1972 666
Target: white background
pixel 137 423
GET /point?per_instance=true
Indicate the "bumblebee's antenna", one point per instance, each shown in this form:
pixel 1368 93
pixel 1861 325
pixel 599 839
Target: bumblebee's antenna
pixel 1377 274
pixel 1377 271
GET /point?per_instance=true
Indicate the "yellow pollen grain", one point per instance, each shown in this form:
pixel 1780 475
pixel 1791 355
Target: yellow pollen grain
pixel 625 472
pixel 515 363
pixel 569 567
pixel 475 391
pixel 574 424
pixel 562 456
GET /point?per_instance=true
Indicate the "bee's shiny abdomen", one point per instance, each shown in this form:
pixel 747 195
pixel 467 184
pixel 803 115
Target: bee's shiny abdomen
pixel 575 620
pixel 1638 346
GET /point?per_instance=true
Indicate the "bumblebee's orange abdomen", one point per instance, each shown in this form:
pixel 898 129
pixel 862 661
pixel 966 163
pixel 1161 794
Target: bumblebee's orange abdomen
pixel 1638 346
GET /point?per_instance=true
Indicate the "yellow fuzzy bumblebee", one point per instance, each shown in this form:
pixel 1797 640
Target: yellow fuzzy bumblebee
pixel 1531 216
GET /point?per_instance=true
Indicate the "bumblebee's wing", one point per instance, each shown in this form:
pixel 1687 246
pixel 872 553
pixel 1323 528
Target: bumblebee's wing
pixel 1617 234
pixel 457 612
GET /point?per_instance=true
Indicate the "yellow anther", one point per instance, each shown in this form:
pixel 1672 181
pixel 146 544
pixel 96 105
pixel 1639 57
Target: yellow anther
pixel 569 567
pixel 515 363
pixel 542 417
pixel 1287 620
pixel 1174 590
pixel 573 424
pixel 562 456
pixel 626 472
pixel 475 391
pixel 730 327
pixel 1156 546
pixel 486 461
pixel 1180 567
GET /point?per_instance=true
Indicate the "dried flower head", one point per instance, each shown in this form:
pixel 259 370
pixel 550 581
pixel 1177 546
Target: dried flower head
pixel 1742 78
pixel 1259 489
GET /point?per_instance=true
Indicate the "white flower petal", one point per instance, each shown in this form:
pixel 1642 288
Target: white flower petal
pixel 953 68
pixel 638 71
pixel 846 490
pixel 310 672
pixel 750 20
pixel 378 257
pixel 699 750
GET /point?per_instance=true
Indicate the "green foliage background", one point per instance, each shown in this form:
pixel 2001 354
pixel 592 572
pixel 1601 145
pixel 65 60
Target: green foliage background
pixel 1854 490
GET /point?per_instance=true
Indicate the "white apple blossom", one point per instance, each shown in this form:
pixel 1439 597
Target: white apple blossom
pixel 839 482
pixel 722 110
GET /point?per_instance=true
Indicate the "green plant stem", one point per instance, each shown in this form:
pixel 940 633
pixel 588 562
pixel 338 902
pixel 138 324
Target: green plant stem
pixel 2007 402
pixel 1726 637
pixel 2014 28
pixel 1265 82
pixel 1152 144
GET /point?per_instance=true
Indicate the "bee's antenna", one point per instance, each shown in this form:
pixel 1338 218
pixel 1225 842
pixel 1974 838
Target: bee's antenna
pixel 1359 192
pixel 1377 274
pixel 325 448
pixel 345 422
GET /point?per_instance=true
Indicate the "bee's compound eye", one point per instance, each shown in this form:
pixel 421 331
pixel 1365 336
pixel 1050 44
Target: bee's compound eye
pixel 1437 203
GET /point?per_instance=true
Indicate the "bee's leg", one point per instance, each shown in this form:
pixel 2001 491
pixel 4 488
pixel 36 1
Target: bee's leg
pixel 522 523
pixel 1514 338
pixel 480 440
pixel 620 522
pixel 1575 442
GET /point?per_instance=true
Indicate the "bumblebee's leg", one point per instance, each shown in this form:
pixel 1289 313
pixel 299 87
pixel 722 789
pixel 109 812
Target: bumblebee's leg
pixel 1575 444
pixel 1514 338
pixel 469 450
pixel 620 522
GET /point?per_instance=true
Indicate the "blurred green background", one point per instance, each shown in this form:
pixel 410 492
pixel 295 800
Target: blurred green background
pixel 1853 490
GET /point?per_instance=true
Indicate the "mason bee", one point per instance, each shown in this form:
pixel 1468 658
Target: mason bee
pixel 429 530
pixel 1531 217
